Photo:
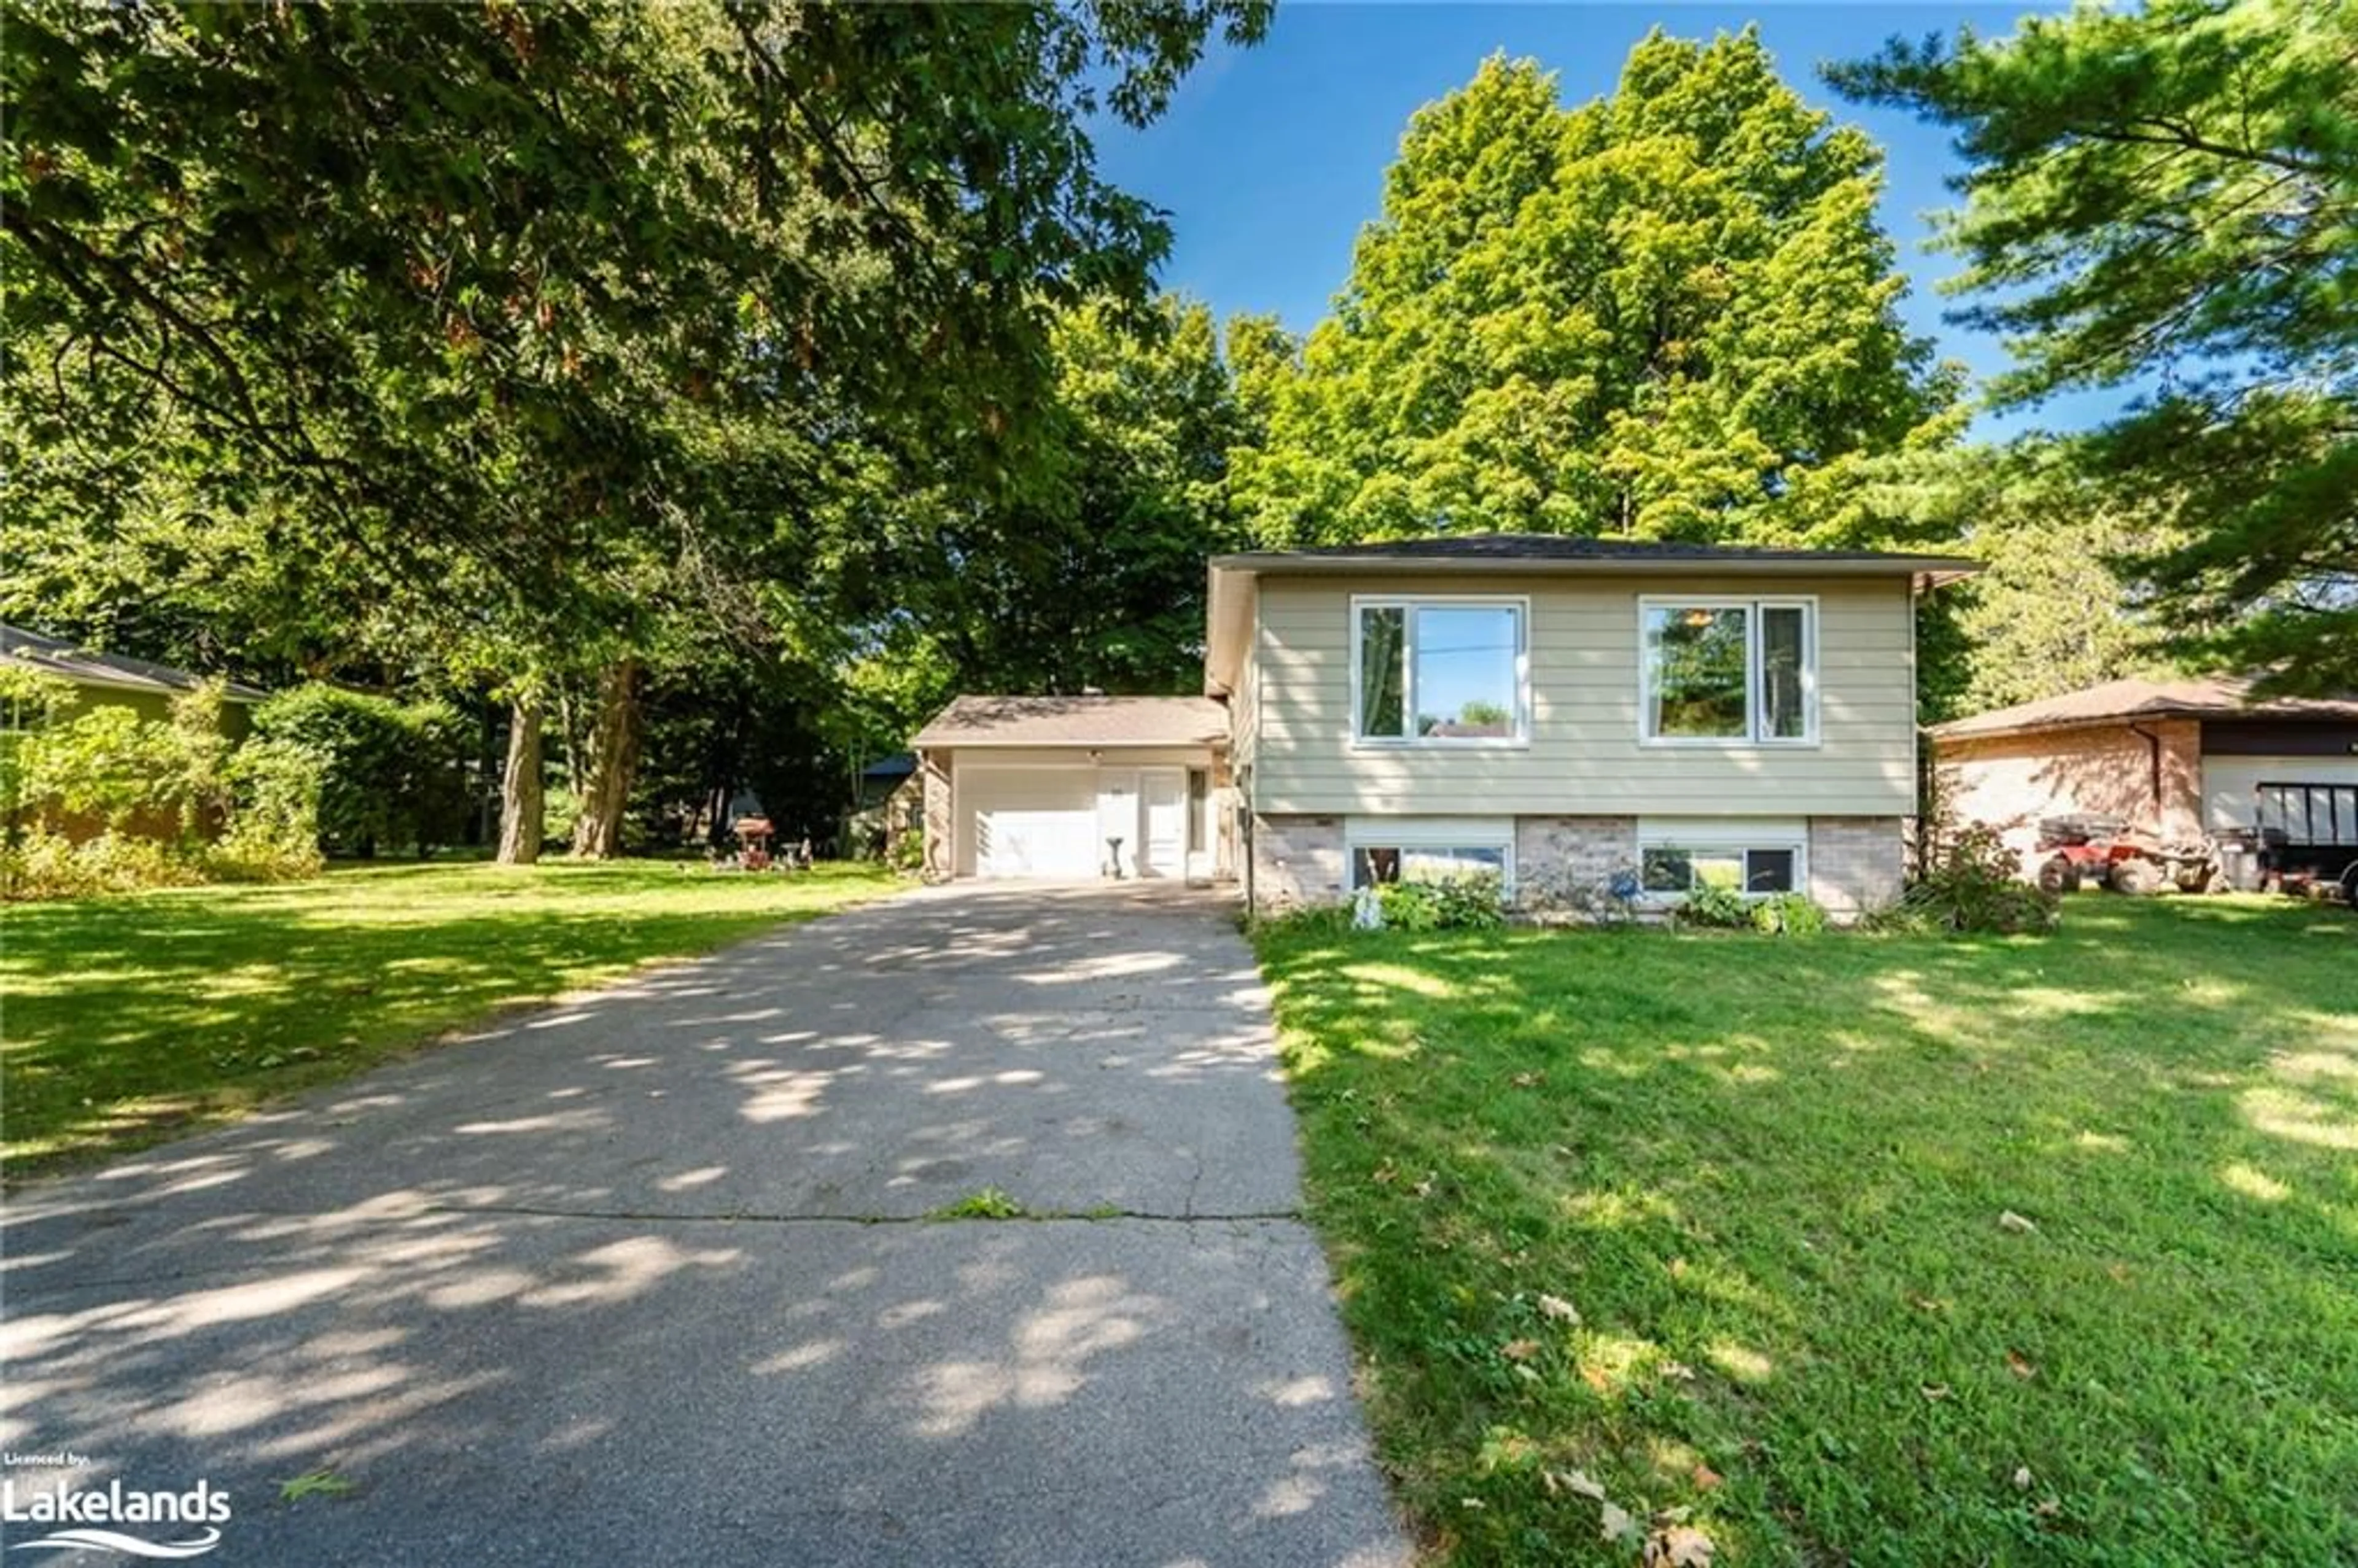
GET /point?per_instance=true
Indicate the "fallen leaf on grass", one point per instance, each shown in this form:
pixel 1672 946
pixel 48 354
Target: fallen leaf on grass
pixel 1706 1478
pixel 1615 1522
pixel 1528 1080
pixel 1558 1308
pixel 2022 1479
pixel 1679 1370
pixel 1926 1304
pixel 1678 1546
pixel 2009 1220
pixel 2019 1364
pixel 1520 1349
pixel 1576 1482
pixel 1934 1390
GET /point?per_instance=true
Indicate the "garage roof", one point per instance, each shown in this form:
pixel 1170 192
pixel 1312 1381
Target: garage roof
pixel 1076 721
pixel 2122 702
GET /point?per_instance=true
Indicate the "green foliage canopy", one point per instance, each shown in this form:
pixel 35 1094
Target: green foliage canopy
pixel 1667 313
pixel 2166 197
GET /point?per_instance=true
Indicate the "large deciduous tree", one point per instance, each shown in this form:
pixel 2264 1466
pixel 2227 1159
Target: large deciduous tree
pixel 462 287
pixel 1667 313
pixel 2165 197
pixel 1089 574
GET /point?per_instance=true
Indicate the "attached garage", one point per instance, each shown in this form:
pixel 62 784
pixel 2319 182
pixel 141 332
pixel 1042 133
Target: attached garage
pixel 1064 789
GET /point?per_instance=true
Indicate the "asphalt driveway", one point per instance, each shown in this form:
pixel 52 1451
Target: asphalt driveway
pixel 648 1276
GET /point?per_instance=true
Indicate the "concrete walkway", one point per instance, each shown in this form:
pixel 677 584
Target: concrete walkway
pixel 644 1277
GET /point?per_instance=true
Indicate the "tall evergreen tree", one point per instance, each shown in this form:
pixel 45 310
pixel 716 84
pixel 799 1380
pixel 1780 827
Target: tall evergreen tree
pixel 2165 197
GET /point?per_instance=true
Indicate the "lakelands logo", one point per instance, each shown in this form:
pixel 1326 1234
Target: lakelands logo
pixel 89 1515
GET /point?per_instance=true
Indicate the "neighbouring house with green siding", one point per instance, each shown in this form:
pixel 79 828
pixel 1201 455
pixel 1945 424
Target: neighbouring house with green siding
pixel 141 685
pixel 1564 713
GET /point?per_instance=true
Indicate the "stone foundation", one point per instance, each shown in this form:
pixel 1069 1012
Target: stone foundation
pixel 1856 863
pixel 1565 865
pixel 1296 861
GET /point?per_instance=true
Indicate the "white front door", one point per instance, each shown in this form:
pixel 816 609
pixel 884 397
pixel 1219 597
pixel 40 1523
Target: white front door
pixel 1162 832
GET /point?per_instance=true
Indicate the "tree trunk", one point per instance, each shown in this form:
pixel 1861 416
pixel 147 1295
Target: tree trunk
pixel 611 761
pixel 520 786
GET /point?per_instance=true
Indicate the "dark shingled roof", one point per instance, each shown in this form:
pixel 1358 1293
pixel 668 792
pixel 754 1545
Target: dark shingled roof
pixel 55 656
pixel 1578 547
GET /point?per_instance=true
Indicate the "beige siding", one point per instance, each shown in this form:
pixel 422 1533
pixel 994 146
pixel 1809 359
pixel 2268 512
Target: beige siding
pixel 1244 711
pixel 1585 756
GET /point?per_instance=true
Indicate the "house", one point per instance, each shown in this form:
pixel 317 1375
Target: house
pixel 2182 757
pixel 1558 711
pixel 115 678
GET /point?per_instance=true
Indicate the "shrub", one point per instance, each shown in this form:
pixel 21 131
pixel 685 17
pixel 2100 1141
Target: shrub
pixel 1714 905
pixel 1968 885
pixel 1471 903
pixel 40 863
pixel 1475 902
pixel 909 851
pixel 1789 914
pixel 44 863
pixel 1408 906
pixel 390 773
pixel 273 825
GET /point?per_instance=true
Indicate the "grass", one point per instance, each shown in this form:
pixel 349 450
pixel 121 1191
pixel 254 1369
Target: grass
pixel 133 1019
pixel 1718 1223
pixel 988 1202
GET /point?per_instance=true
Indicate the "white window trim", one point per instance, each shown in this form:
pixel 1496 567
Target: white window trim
pixel 1430 833
pixel 1722 836
pixel 1806 603
pixel 1411 602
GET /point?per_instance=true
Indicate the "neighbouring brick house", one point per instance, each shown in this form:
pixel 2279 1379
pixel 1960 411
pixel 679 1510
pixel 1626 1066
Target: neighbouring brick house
pixel 1559 711
pixel 2183 758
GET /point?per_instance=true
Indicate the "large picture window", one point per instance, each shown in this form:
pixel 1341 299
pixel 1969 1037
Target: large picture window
pixel 1440 672
pixel 1729 671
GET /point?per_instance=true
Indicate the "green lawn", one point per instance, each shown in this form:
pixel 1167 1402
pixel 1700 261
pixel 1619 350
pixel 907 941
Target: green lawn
pixel 1770 1178
pixel 127 1020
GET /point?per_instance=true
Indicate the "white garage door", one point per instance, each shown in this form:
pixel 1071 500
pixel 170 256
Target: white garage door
pixel 1030 822
pixel 2232 785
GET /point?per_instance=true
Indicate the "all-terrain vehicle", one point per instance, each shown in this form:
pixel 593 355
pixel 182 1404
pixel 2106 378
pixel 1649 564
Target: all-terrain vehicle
pixel 2087 847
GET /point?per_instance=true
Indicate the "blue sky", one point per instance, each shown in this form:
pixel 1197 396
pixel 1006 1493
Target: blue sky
pixel 1272 157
